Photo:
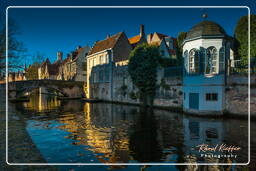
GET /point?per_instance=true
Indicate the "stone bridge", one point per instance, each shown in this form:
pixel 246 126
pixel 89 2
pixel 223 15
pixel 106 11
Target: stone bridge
pixel 71 89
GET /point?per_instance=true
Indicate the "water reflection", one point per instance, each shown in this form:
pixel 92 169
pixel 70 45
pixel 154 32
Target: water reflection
pixel 42 102
pixel 111 133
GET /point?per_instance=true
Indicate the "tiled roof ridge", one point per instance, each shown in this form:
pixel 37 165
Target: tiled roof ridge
pixel 105 44
pixel 110 36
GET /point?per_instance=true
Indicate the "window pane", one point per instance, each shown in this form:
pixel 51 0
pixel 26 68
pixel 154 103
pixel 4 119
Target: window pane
pixel 211 60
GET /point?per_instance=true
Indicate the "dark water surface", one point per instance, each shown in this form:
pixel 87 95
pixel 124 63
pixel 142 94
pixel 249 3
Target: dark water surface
pixel 77 132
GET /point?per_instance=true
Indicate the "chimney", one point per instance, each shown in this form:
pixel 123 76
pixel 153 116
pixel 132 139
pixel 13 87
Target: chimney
pixel 59 55
pixel 142 33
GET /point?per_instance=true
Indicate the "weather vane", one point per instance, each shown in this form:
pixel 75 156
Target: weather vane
pixel 204 13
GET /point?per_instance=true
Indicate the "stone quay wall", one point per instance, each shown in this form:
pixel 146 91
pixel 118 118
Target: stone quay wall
pixel 236 95
pixel 169 93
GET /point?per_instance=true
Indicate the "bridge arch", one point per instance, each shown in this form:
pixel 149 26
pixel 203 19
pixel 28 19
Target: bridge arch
pixel 71 89
pixel 22 91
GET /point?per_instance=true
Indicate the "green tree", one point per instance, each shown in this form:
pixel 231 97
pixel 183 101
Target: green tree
pixel 241 36
pixel 181 37
pixel 15 48
pixel 142 67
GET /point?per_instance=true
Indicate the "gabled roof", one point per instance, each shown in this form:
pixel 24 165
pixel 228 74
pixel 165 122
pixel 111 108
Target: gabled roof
pixel 80 50
pixel 105 44
pixel 67 59
pixel 53 69
pixel 47 61
pixel 160 35
pixel 134 39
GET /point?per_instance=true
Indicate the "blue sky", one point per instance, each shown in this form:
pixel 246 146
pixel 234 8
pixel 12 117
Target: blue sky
pixel 50 30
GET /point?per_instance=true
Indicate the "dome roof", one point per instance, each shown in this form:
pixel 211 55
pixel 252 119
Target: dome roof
pixel 205 29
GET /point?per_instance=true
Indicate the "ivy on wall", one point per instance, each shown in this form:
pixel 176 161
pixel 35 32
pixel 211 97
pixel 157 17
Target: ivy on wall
pixel 142 67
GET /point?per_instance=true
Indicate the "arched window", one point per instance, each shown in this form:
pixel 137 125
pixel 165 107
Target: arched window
pixel 193 61
pixel 211 60
pixel 222 59
pixel 185 55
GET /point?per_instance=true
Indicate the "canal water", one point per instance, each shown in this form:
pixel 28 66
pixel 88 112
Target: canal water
pixel 73 131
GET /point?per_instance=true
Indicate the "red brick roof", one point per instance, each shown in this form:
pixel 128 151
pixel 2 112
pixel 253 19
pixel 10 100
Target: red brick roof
pixel 105 44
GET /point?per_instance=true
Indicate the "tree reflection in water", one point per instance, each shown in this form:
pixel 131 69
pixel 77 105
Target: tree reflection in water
pixel 143 142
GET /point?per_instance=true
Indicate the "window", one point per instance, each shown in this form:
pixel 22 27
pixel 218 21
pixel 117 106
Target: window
pixel 185 55
pixel 100 76
pixel 101 59
pixel 94 77
pixel 211 60
pixel 222 59
pixel 107 76
pixel 106 59
pixel 193 61
pixel 211 96
pixel 83 66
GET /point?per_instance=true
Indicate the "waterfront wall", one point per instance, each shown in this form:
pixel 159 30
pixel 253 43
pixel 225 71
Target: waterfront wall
pixel 236 95
pixel 169 93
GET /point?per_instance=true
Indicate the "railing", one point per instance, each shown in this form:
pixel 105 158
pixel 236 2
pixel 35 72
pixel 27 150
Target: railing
pixel 239 67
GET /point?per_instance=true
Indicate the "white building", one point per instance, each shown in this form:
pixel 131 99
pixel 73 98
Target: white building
pixel 206 52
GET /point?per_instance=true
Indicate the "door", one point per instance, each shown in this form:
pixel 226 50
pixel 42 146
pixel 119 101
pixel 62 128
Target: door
pixel 194 100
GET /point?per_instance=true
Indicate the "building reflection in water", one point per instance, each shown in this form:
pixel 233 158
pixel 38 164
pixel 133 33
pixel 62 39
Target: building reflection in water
pixel 200 131
pixel 122 134
pixel 214 132
pixel 41 102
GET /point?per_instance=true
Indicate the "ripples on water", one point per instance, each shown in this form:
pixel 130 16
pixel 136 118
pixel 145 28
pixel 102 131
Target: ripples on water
pixel 77 132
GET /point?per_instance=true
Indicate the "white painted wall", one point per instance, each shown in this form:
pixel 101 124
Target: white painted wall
pixel 204 84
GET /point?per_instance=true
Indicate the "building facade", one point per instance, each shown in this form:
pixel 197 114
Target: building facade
pixel 167 44
pixel 101 60
pixel 206 52
pixel 49 71
pixel 74 66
